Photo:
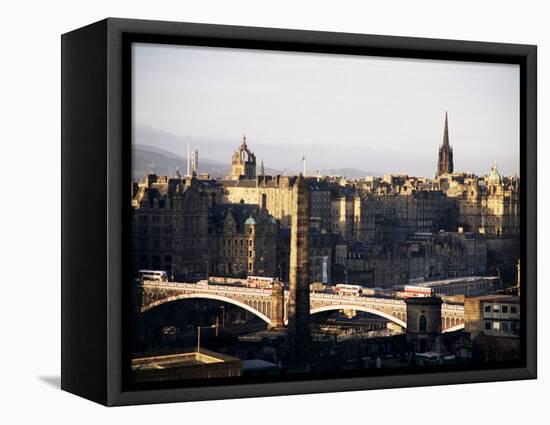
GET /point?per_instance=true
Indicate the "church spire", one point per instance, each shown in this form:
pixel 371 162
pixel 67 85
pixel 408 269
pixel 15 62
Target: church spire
pixel 445 157
pixel 262 170
pixel 446 132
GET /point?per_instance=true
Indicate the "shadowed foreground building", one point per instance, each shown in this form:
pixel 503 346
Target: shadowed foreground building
pixel 493 325
pixel 492 315
pixel 190 364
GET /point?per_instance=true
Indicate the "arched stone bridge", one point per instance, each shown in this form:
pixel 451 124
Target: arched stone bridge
pixel 265 303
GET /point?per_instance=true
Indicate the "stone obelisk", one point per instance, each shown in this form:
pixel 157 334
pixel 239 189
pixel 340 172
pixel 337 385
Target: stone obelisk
pixel 299 337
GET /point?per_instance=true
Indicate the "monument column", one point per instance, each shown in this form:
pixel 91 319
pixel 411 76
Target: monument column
pixel 299 338
pixel 277 305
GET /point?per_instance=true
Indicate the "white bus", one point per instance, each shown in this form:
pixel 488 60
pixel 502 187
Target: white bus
pixel 153 275
pixel 417 291
pixel 348 289
pixel 259 282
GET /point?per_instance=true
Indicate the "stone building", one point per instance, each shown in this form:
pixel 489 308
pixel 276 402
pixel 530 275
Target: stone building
pixel 352 215
pixel 428 256
pixel 459 253
pixel 275 191
pixel 320 197
pixel 492 315
pixel 488 205
pixel 185 365
pixel 170 226
pixel 400 214
pixel 321 248
pixel 494 327
pixel 177 228
pixel 243 241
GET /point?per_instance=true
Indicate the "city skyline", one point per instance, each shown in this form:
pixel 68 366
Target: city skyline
pixel 174 106
pixel 415 267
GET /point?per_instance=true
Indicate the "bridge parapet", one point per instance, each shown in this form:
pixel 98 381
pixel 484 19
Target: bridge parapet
pixel 262 302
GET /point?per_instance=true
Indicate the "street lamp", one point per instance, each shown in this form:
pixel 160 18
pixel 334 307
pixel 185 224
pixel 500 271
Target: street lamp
pixel 199 337
pixel 223 315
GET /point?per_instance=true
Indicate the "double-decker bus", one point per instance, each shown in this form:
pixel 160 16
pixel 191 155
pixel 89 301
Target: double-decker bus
pixel 159 275
pixel 259 282
pixel 417 291
pixel 346 289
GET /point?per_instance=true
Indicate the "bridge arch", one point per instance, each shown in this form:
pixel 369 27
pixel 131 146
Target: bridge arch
pixel 210 297
pixel 360 308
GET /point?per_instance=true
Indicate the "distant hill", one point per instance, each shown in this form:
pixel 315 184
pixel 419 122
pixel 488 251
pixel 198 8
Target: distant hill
pixel 162 162
pixel 350 173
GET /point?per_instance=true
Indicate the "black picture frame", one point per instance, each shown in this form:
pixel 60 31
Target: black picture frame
pixel 95 204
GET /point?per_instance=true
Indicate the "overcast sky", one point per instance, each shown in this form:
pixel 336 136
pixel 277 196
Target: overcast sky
pixel 375 114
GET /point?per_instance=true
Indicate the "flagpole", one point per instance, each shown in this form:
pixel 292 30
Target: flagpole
pixel 188 153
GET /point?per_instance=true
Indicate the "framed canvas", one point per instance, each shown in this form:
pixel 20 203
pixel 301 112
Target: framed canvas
pixel 362 213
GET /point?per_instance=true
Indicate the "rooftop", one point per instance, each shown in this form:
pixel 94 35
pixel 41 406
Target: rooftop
pixel 498 298
pixel 178 360
pixel 455 280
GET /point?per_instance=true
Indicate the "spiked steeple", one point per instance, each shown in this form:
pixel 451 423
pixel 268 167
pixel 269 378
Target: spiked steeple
pixel 446 131
pixel 445 158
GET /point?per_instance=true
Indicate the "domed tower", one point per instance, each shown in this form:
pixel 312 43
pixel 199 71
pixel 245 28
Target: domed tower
pixel 495 181
pixel 243 163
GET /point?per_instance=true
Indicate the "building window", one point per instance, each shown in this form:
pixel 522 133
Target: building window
pixel 505 327
pixel 487 309
pixel 504 309
pixel 513 309
pixel 487 325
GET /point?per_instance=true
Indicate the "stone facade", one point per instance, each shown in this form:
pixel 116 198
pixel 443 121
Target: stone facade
pixel 424 324
pixel 244 241
pixel 175 228
pixel 170 226
pixel 492 315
